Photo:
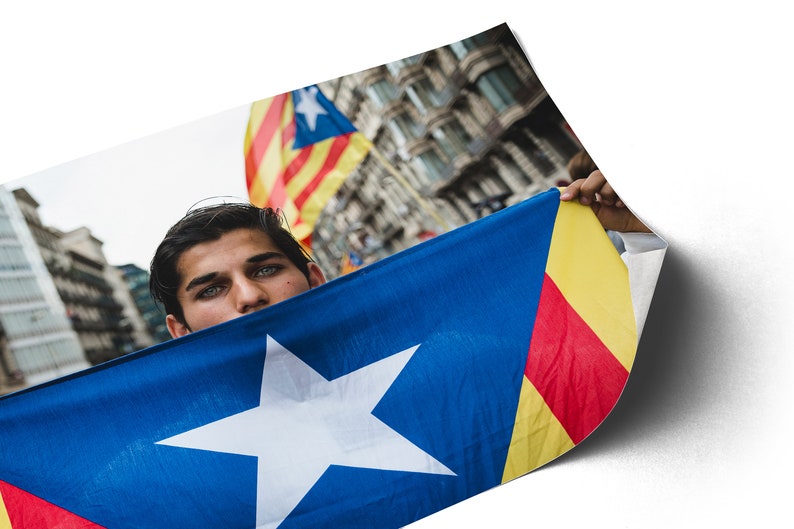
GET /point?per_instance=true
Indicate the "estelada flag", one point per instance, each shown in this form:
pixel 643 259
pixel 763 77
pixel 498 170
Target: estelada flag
pixel 371 401
pixel 350 263
pixel 298 150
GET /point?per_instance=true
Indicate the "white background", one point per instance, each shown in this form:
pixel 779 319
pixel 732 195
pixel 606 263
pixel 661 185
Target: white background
pixel 686 107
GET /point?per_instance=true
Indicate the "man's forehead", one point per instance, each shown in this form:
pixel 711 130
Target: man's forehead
pixel 229 247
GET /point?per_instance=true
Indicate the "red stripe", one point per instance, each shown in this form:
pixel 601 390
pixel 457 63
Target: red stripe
pixel 26 511
pixel 250 170
pixel 296 164
pixel 285 174
pixel 578 377
pixel 334 155
pixel 288 133
pixel 271 123
pixel 277 196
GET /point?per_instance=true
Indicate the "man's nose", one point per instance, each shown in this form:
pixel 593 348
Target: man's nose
pixel 250 296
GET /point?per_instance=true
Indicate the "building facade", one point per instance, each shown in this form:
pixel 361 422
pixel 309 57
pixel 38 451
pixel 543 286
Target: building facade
pixel 140 336
pixel 92 300
pixel 459 132
pixel 137 281
pixel 37 342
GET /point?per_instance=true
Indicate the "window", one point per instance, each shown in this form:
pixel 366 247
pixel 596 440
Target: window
pixel 381 92
pixel 541 160
pixel 31 322
pixel 13 258
pixel 395 67
pixel 432 164
pixel 462 48
pixel 46 356
pixel 423 95
pixel 452 138
pixel 404 128
pixel 500 87
pixel 19 289
pixel 6 230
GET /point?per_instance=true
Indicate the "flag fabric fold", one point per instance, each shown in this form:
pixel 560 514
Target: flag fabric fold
pixel 298 150
pixel 377 399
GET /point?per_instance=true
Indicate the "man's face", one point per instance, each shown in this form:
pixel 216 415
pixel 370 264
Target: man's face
pixel 241 272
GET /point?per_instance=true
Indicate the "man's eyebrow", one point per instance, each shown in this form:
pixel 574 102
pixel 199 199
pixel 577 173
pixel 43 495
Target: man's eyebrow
pixel 258 258
pixel 196 281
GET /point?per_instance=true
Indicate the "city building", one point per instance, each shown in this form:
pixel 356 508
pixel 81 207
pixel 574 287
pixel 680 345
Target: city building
pixel 132 317
pixel 37 342
pixel 91 301
pixel 459 132
pixel 91 293
pixel 137 281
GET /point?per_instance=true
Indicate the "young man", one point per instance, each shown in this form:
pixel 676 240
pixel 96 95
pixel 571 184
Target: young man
pixel 221 262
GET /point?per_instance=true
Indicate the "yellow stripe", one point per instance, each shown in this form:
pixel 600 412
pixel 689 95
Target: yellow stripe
pixel 593 278
pixel 294 223
pixel 301 231
pixel 315 202
pixel 257 193
pixel 354 153
pixel 290 213
pixel 5 521
pixel 257 115
pixel 538 437
pixel 310 168
pixel 276 157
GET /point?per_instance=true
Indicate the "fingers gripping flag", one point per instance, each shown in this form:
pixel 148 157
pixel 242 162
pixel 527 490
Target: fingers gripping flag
pixel 298 150
pixel 372 401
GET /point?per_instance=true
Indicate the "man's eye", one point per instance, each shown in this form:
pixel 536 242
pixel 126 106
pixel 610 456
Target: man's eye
pixel 265 271
pixel 210 292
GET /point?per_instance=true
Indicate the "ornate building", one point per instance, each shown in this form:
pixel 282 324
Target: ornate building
pixel 96 302
pixel 37 342
pixel 458 132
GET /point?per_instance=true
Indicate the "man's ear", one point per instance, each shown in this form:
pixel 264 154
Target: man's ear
pixel 175 327
pixel 316 276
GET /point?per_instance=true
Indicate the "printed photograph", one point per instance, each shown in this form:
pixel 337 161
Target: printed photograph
pixel 437 140
pixel 366 300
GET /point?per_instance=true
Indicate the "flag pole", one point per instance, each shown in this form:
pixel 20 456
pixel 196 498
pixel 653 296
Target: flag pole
pixel 403 182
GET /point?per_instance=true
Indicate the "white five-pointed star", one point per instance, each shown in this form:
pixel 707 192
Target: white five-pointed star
pixel 305 423
pixel 309 106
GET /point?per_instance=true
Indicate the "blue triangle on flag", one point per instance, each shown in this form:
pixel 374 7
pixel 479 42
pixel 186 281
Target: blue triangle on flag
pixel 316 118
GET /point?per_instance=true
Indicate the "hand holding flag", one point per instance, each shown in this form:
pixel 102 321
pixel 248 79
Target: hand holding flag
pixel 612 213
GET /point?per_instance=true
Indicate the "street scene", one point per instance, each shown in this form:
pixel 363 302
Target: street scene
pixel 457 133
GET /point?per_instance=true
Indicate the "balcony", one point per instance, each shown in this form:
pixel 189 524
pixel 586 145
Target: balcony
pixel 407 73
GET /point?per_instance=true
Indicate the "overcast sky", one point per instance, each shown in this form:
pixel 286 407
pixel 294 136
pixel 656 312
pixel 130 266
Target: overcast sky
pixel 131 194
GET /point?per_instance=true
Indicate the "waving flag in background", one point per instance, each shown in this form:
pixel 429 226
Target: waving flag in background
pixel 298 150
pixel 372 401
pixel 350 263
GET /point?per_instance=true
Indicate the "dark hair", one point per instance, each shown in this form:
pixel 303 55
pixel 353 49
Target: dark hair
pixel 210 223
pixel 581 165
